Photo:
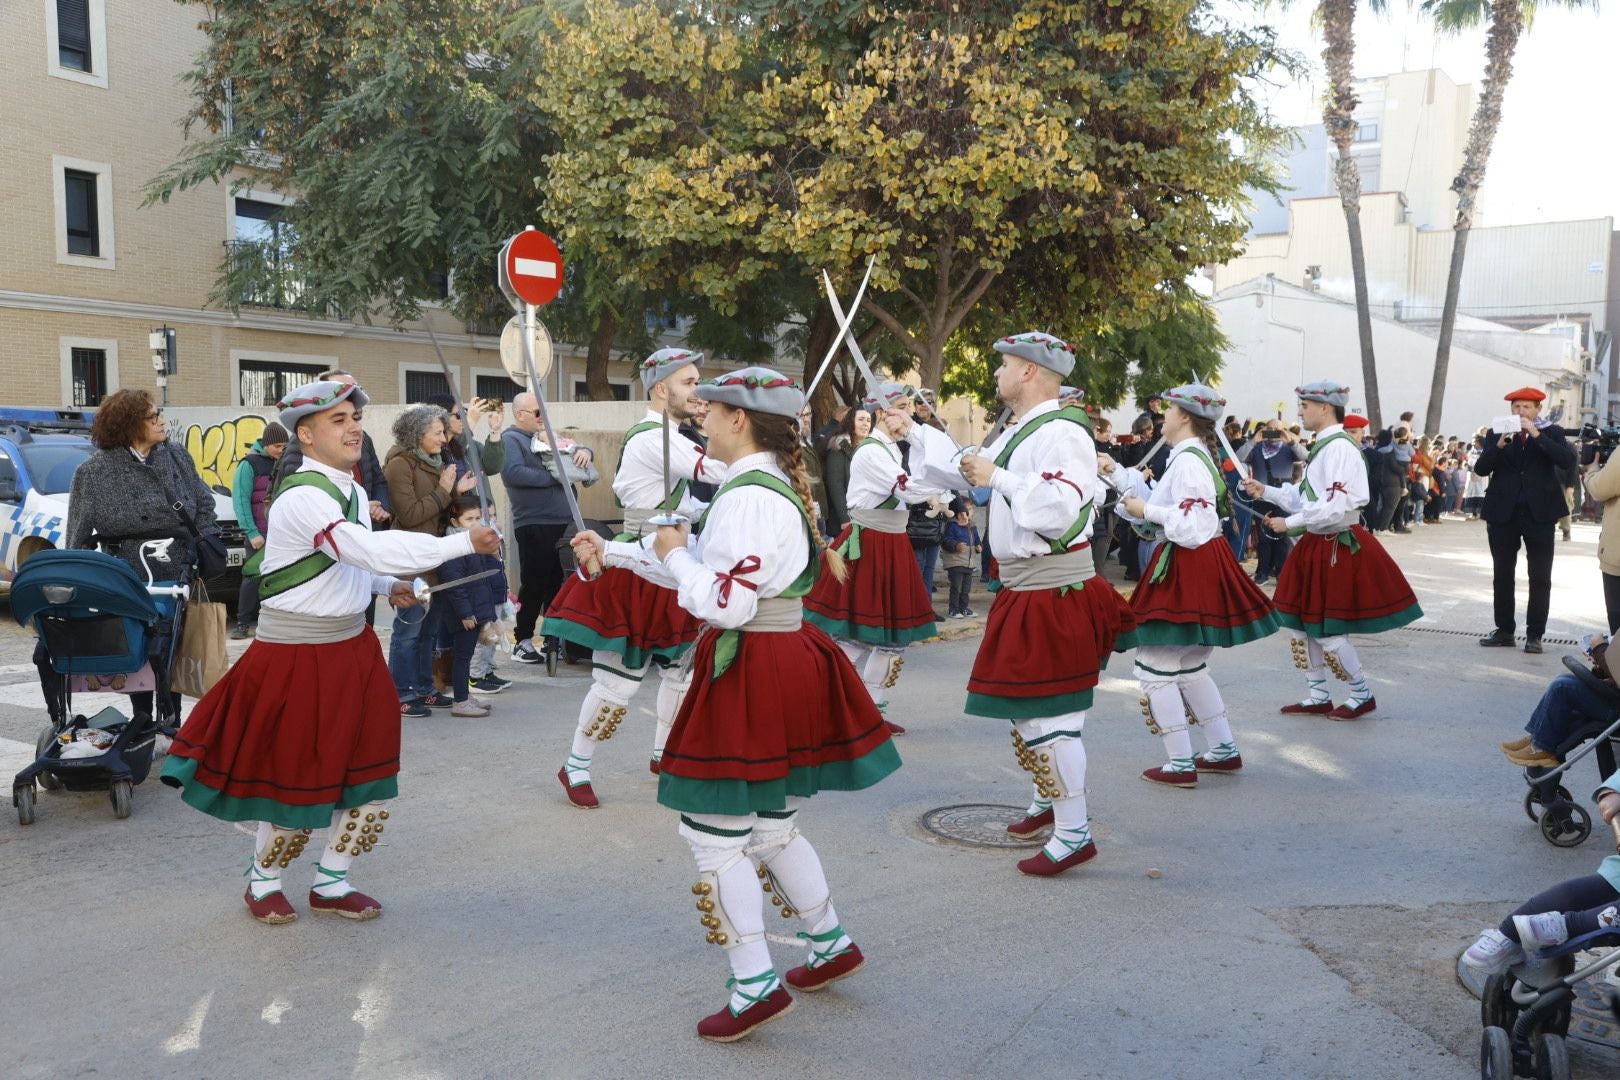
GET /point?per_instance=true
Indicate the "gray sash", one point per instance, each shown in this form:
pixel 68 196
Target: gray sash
pixel 1048 571
pixel 776 615
pixel 635 520
pixel 277 627
pixel 887 521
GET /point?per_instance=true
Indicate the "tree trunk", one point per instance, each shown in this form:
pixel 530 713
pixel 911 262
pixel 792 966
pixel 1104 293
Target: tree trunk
pixel 1358 270
pixel 597 355
pixel 1507 21
pixel 824 402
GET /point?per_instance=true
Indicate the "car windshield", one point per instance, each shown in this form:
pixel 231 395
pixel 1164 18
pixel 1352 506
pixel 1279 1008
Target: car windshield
pixel 51 465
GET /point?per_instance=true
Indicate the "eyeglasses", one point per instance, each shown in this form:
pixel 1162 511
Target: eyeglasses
pixel 158 415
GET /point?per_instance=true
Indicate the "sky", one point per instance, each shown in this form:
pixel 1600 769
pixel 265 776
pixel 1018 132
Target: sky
pixel 1556 156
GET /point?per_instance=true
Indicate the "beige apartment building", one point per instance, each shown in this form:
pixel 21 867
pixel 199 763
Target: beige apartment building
pixel 90 109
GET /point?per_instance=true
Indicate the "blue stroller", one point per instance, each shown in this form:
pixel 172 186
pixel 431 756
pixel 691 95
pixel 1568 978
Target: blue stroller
pixel 98 623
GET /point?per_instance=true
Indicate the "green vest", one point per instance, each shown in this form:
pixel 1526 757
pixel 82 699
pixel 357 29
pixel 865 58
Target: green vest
pixel 317 562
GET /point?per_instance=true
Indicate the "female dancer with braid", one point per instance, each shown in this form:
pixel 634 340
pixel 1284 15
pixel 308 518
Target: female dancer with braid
pixel 776 712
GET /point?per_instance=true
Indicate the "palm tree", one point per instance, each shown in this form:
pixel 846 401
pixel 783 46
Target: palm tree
pixel 1508 19
pixel 1337 19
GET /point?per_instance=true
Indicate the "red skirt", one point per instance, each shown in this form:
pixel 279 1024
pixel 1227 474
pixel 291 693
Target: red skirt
pixel 622 612
pixel 1204 598
pixel 882 600
pixel 1327 589
pixel 788 717
pixel 1044 650
pixel 291 733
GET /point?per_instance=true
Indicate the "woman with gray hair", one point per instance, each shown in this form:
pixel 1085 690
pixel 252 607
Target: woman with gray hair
pixel 421 487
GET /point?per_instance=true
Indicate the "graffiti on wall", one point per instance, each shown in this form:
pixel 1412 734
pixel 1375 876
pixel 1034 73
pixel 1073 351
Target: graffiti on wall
pixel 218 448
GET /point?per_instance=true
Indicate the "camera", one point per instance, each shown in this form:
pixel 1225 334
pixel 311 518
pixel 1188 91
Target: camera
pixel 1598 443
pixel 1271 434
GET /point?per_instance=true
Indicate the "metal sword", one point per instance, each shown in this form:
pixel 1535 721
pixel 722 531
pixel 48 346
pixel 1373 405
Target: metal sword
pixel 473 457
pixel 590 566
pixel 424 591
pixel 667 514
pixel 855 347
pixel 843 329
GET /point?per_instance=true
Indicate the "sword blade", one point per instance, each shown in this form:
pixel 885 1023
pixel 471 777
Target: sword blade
pixel 855 347
pixel 998 428
pixel 545 419
pixel 843 329
pixel 473 455
pixel 481 575
pixel 669 488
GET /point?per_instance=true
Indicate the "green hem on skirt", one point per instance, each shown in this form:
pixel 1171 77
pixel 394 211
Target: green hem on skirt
pixel 635 657
pixel 182 773
pixel 871 635
pixel 738 798
pixel 1339 627
pixel 1159 632
pixel 1026 708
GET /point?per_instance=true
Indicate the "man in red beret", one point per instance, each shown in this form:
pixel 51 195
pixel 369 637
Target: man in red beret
pixel 1523 504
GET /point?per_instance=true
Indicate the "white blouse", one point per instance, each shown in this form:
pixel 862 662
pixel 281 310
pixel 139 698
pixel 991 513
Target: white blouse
pixel 1183 500
pixel 1337 476
pixel 639 481
pixel 1040 493
pixel 876 472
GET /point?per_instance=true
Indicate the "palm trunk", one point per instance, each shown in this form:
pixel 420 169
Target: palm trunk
pixel 1507 21
pixel 600 351
pixel 1358 270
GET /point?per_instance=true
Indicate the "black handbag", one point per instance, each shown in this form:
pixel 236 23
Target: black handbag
pixel 213 559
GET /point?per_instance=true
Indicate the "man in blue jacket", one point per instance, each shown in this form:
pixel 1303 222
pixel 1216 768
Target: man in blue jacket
pixel 540 519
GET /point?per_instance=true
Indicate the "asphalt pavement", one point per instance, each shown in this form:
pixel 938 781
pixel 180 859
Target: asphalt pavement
pixel 1301 919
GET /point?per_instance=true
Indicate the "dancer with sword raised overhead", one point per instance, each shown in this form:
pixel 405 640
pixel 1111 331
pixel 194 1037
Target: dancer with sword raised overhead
pixel 881 605
pixel 628 622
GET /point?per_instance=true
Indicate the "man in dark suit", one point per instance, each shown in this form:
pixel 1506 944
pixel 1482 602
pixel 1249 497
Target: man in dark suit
pixel 1523 503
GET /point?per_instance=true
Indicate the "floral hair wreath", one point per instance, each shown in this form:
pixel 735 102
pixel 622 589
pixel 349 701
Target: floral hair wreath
pixel 323 402
pixel 1038 339
pixel 752 382
pixel 1300 390
pixel 658 361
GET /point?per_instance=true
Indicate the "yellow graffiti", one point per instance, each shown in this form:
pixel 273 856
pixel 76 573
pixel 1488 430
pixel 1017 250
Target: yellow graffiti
pixel 219 448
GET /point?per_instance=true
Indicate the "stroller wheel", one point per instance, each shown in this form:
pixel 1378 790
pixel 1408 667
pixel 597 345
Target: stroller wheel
pixel 24 798
pixel 119 793
pixel 1496 1008
pixel 1551 1057
pixel 1566 824
pixel 47 780
pixel 1495 1055
pixel 1533 807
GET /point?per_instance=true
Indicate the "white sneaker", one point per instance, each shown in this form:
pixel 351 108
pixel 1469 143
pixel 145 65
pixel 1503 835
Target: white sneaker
pixel 1541 931
pixel 1493 953
pixel 469 708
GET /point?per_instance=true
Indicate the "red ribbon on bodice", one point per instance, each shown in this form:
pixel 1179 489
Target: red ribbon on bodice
pixel 329 536
pixel 1187 505
pixel 1336 488
pixel 1060 478
pixel 746 565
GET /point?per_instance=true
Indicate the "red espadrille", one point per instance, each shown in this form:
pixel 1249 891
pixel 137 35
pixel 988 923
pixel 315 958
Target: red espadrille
pixel 355 905
pixel 1041 865
pixel 1031 825
pixel 580 795
pixel 894 728
pixel 1346 712
pixel 1225 765
pixel 842 966
pixel 1308 708
pixel 1170 778
pixel 653 767
pixel 273 910
pixel 724 1027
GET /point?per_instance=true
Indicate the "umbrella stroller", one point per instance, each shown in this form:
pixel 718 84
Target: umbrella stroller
pixel 102 629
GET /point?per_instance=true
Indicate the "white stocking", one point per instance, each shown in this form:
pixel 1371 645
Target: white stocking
pixel 672 687
pixel 718 846
pixel 599 714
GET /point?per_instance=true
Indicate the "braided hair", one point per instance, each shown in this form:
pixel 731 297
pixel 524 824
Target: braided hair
pixel 780 435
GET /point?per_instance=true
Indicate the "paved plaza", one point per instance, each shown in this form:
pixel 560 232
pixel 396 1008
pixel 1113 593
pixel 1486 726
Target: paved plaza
pixel 1302 919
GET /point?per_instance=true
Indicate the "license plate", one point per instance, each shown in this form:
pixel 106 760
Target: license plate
pixel 233 556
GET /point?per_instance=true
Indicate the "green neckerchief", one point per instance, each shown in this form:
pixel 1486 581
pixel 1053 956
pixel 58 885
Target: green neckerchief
pixel 317 562
pixel 673 499
pixel 1073 416
pixel 725 648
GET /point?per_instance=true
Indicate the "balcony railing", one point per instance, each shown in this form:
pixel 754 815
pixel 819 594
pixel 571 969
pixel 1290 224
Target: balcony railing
pixel 263 275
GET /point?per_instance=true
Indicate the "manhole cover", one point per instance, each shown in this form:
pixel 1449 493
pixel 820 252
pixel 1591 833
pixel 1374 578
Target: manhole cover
pixel 1590 1021
pixel 979 824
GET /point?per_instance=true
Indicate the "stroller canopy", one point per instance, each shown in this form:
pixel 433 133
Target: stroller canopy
pixel 80 580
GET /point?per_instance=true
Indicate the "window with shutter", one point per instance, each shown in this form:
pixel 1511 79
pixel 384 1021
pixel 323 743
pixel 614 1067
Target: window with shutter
pixel 83 226
pixel 73 34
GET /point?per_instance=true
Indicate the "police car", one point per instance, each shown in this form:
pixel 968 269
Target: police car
pixel 40 450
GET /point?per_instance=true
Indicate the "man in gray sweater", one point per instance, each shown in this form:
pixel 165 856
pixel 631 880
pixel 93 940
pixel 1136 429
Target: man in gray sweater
pixel 540 519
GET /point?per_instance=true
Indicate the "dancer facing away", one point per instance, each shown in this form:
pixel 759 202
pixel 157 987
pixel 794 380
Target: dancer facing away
pixel 777 712
pixel 627 621
pixel 1054 622
pixel 303 730
pixel 1338 580
pixel 1194 598
pixel 882 605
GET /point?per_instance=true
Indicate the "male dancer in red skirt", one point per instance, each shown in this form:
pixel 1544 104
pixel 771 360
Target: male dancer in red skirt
pixel 1338 580
pixel 882 605
pixel 303 730
pixel 1193 598
pixel 627 621
pixel 1054 622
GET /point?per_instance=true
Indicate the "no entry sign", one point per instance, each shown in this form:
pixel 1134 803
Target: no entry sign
pixel 532 267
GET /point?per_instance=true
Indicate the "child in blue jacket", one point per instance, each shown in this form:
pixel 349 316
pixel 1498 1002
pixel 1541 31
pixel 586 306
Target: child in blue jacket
pixel 466 608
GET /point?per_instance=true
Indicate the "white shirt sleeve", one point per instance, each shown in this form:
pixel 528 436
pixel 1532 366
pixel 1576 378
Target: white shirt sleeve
pixel 1184 503
pixel 311 513
pixel 1047 501
pixel 1340 482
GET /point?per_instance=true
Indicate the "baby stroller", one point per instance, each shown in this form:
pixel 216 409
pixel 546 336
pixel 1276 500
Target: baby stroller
pixel 1565 822
pixel 103 629
pixel 1526 1010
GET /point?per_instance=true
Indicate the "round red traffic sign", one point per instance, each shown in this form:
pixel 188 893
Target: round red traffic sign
pixel 534 266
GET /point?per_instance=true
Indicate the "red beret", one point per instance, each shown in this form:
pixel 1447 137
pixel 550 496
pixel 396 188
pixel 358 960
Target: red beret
pixel 1355 420
pixel 1525 393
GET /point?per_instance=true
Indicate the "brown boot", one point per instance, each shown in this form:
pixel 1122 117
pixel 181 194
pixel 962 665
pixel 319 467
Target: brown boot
pixel 1516 744
pixel 1532 757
